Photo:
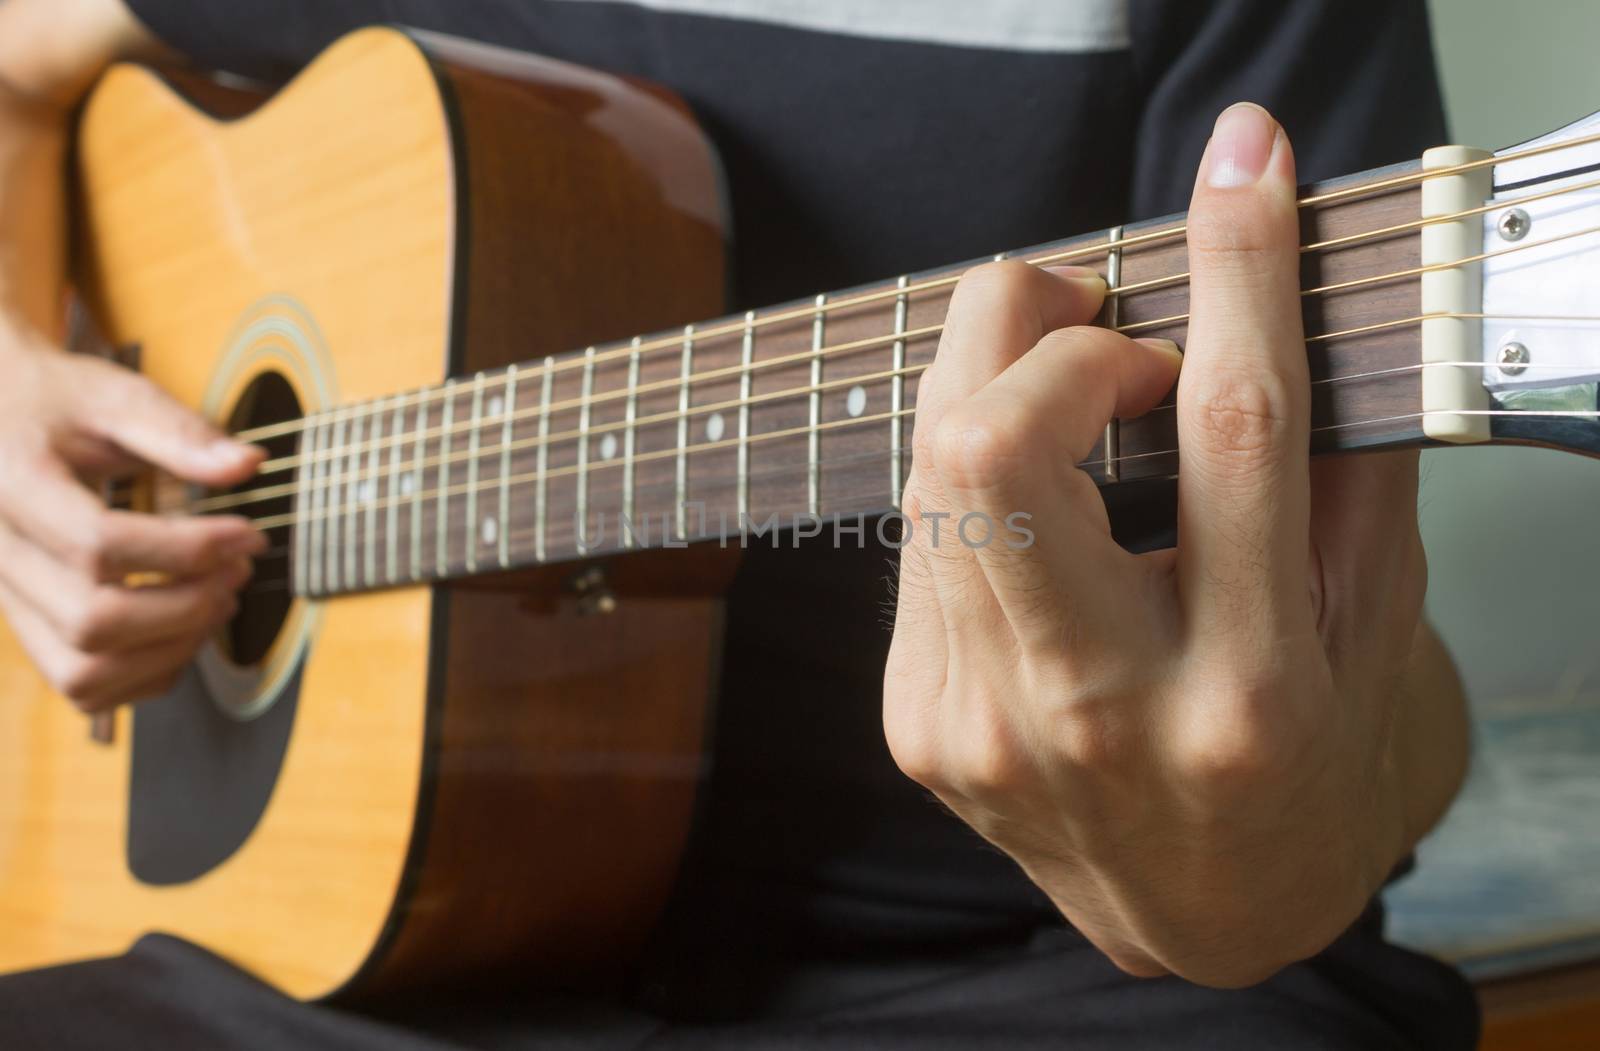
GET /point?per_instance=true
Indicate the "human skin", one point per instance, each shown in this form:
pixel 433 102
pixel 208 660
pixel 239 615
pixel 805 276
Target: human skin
pixel 1210 757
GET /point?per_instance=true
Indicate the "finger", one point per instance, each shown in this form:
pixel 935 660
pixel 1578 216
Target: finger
pixel 998 312
pixel 136 415
pixel 94 683
pixel 58 514
pixel 1244 400
pixel 1014 449
pixel 109 681
pixel 105 618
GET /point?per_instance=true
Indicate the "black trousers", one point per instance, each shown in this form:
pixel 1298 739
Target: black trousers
pixel 1047 989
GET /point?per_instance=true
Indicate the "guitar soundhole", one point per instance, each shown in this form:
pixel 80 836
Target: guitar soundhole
pixel 266 601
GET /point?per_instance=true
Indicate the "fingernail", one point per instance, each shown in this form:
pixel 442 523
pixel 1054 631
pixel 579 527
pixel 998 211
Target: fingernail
pixel 1165 346
pixel 1074 274
pixel 1084 275
pixel 1241 146
pixel 226 454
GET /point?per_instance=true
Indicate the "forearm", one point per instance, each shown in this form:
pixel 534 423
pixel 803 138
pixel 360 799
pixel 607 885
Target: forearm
pixel 33 216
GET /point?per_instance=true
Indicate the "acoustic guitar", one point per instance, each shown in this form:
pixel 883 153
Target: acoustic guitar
pixel 460 719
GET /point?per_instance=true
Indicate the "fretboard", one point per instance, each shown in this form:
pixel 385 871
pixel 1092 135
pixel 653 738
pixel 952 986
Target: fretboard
pixel 756 428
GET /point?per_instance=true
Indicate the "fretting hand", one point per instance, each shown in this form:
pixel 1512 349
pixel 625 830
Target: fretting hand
pixel 1193 752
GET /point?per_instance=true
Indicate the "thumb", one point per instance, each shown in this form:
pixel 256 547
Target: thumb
pixel 136 415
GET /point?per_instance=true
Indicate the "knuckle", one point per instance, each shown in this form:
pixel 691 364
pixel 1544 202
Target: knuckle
pixel 79 679
pixel 94 625
pixel 1009 286
pixel 989 760
pixel 911 744
pixel 922 453
pixel 1078 338
pixel 1231 233
pixel 120 386
pixel 1241 418
pixel 27 456
pixel 1233 755
pixel 975 451
pixel 92 544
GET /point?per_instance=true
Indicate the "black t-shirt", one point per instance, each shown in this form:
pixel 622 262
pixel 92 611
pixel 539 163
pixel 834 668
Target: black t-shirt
pixel 865 138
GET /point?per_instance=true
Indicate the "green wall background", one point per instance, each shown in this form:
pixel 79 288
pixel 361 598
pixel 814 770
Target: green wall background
pixel 1513 535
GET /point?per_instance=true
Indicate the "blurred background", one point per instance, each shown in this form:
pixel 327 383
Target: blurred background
pixel 1511 882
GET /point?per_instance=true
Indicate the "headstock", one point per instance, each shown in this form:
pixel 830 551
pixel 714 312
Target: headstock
pixel 1541 291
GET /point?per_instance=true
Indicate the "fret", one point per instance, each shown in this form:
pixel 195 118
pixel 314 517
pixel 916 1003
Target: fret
pixel 681 508
pixel 897 397
pixel 658 416
pixel 305 450
pixel 392 510
pixel 333 458
pixel 1112 443
pixel 352 471
pixel 605 437
pixel 372 491
pixel 629 448
pixel 581 519
pixel 819 328
pixel 507 438
pixel 418 488
pixel 441 507
pixel 858 387
pixel 780 404
pixel 319 499
pixel 474 444
pixel 746 358
pixel 541 509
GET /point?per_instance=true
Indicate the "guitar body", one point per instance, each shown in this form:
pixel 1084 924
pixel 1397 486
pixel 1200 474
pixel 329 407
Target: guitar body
pixel 422 784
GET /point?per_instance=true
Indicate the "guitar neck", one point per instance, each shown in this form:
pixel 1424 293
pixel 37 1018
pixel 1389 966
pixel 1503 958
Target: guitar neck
pixel 799 414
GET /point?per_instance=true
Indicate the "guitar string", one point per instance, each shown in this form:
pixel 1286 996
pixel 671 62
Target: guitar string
pixel 497 447
pixel 1350 240
pixel 530 478
pixel 343 509
pixel 885 498
pixel 1417 271
pixel 737 328
pixel 383 405
pixel 668 488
